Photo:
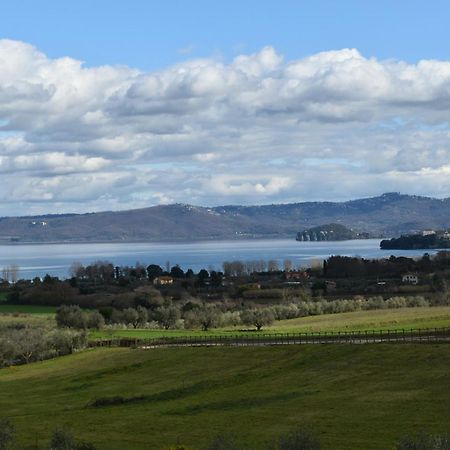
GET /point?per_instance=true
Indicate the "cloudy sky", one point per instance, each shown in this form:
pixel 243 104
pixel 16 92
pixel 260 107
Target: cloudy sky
pixel 117 106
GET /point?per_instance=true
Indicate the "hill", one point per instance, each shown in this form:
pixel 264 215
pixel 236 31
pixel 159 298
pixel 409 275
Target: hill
pixel 330 232
pixel 415 241
pixel 352 397
pixel 388 215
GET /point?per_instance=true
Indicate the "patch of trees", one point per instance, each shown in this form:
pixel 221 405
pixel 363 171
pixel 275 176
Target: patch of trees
pixel 74 317
pixel 205 316
pixel 415 242
pixel 352 267
pixel 22 345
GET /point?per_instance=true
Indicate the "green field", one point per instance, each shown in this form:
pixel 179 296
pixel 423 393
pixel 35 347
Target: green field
pixel 384 319
pixel 26 309
pixel 387 319
pixel 351 397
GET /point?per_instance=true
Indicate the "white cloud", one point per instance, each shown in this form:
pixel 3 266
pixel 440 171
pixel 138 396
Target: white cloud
pixel 337 124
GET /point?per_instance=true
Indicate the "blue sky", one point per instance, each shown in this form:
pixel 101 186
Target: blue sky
pixel 153 34
pixel 108 105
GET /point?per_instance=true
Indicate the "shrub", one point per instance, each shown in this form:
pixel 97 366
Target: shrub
pixel 6 434
pixel 298 440
pixel 424 441
pixel 63 439
pixel 223 442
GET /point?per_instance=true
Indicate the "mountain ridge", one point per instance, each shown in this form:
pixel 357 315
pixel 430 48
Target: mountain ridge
pixel 389 215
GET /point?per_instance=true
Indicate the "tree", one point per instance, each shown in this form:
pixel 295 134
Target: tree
pixel 206 317
pixel 10 273
pixel 29 344
pixel 153 271
pixel 287 264
pixel 257 317
pixel 216 278
pixel 202 276
pixel 95 320
pixel 130 315
pixel 167 315
pixel 177 272
pixel 142 315
pixel 189 273
pixel 73 316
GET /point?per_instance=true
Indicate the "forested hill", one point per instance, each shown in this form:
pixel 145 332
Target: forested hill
pixel 388 215
pixel 330 232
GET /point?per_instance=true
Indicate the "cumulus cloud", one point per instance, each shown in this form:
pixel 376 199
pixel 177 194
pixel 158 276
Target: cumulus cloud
pixel 334 125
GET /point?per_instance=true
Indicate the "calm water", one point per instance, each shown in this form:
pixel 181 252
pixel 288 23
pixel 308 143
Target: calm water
pixel 56 259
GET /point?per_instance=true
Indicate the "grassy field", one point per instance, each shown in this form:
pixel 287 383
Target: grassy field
pixel 361 320
pixel 27 309
pixel 351 397
pixel 384 319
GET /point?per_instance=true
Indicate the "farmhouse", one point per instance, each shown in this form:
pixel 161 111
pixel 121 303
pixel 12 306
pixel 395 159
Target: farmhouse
pixel 296 276
pixel 162 280
pixel 411 278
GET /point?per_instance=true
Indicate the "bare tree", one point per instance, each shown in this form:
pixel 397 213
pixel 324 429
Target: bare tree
pixel 287 264
pixel 10 273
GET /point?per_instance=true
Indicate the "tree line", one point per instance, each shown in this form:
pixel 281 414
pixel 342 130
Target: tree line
pixel 207 316
pixel 21 344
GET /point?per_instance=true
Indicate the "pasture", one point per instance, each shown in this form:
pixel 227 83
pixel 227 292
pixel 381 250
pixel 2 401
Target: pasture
pixel 351 397
pixel 387 319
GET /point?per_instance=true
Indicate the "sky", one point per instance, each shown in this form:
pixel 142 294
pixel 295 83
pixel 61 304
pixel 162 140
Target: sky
pixel 108 105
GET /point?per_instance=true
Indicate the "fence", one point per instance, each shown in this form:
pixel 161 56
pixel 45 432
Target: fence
pixel 417 335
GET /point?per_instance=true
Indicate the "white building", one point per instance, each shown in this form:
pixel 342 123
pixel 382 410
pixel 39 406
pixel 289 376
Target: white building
pixel 410 278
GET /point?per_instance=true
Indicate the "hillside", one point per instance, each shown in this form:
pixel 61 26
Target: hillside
pixel 342 393
pixel 387 215
pixel 415 241
pixel 330 232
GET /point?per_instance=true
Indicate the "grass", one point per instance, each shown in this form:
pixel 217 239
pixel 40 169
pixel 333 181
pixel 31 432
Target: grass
pixel 351 397
pixel 384 319
pixel 390 319
pixel 27 309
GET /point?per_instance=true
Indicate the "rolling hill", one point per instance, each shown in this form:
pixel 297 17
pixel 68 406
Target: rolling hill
pixel 386 215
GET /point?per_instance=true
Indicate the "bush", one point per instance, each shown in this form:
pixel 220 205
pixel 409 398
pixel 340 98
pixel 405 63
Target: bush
pixel 424 441
pixel 298 440
pixel 63 439
pixel 74 317
pixel 396 302
pixel 6 434
pixel 222 442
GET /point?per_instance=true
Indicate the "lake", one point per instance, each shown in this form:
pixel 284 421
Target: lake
pixel 55 259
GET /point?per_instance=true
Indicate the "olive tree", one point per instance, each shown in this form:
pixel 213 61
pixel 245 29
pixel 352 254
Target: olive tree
pixel 257 317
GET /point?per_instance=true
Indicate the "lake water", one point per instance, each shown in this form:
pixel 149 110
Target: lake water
pixel 55 259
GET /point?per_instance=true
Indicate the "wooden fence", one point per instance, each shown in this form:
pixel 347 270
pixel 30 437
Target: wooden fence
pixel 417 335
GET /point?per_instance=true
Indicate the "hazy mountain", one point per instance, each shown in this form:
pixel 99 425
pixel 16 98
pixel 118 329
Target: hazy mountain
pixel 387 215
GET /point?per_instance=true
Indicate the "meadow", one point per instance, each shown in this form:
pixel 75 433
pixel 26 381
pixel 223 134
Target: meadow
pixel 392 319
pixel 351 397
